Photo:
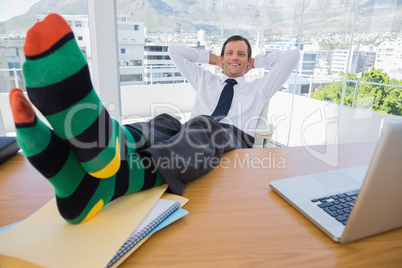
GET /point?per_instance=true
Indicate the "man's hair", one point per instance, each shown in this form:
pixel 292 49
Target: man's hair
pixel 237 38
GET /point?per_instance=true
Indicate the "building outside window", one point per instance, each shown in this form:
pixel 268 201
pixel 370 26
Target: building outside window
pixel 158 65
pixel 130 77
pixel 337 64
pixel 135 62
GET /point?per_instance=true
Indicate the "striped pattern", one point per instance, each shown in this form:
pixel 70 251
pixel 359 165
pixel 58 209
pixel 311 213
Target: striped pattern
pixel 58 84
pixel 79 195
pixel 86 144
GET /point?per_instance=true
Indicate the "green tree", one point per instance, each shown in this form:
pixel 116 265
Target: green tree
pixel 393 102
pixel 333 91
pixel 330 93
pixel 379 92
pixel 379 98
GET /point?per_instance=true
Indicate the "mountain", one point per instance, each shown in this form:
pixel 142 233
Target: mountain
pixel 25 21
pixel 268 16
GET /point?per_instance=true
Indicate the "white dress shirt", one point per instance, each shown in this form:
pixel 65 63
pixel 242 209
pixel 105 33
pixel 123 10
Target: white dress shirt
pixel 249 97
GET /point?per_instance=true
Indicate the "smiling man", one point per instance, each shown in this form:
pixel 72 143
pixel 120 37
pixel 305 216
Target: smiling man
pixel 235 60
pixel 236 53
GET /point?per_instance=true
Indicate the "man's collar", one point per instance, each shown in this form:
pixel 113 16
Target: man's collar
pixel 240 80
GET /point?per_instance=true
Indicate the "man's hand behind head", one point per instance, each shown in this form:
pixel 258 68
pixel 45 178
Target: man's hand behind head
pixel 250 66
pixel 216 60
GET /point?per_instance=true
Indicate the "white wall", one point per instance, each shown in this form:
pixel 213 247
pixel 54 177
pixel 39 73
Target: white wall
pixel 151 100
pixel 318 122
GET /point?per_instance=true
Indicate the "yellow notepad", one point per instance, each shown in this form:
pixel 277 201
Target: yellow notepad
pixel 45 239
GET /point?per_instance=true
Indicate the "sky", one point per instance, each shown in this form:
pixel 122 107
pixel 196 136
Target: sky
pixel 12 8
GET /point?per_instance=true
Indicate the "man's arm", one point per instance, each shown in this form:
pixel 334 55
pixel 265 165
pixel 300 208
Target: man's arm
pixel 281 65
pixel 215 60
pixel 186 60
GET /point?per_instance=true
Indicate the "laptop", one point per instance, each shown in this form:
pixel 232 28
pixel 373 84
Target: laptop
pixel 353 203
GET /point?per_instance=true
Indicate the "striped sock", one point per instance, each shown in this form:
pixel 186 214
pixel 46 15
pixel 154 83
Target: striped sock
pixel 79 195
pixel 59 85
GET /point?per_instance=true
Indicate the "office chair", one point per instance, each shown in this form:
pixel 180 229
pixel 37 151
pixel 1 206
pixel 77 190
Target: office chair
pixel 264 129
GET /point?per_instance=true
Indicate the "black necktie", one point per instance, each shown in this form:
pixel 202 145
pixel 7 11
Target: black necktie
pixel 225 100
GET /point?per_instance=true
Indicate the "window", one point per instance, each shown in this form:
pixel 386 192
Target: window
pixel 345 62
pixel 14 63
pixel 156 57
pixel 130 77
pixel 157 48
pixel 136 62
pixel 130 62
pixel 80 38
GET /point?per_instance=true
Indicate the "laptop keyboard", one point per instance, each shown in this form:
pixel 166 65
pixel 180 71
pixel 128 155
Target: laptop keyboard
pixel 338 206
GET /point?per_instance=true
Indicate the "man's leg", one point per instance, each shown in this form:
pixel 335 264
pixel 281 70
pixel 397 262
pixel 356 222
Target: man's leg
pixel 194 151
pixel 159 128
pixel 79 195
pixel 58 84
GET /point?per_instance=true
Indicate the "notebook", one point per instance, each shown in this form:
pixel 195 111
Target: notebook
pixel 44 239
pixel 159 212
pixel 376 205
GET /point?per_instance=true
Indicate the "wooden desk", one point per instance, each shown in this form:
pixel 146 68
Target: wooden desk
pixel 235 219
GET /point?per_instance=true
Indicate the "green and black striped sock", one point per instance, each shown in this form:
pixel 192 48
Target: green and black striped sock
pixel 79 195
pixel 59 85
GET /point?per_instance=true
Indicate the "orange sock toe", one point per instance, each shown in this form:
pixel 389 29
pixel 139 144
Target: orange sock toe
pixel 21 108
pixel 45 34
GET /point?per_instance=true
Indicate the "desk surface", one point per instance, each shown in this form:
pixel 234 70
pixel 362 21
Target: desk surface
pixel 235 219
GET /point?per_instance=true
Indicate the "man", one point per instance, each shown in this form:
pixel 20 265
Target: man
pixel 235 60
pixel 88 157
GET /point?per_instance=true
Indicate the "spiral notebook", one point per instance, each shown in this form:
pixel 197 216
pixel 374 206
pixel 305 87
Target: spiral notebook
pixel 161 211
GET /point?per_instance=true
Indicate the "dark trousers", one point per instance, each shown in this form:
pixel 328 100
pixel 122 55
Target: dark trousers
pixel 184 152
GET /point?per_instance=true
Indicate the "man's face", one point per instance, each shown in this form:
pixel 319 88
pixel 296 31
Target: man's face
pixel 235 60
